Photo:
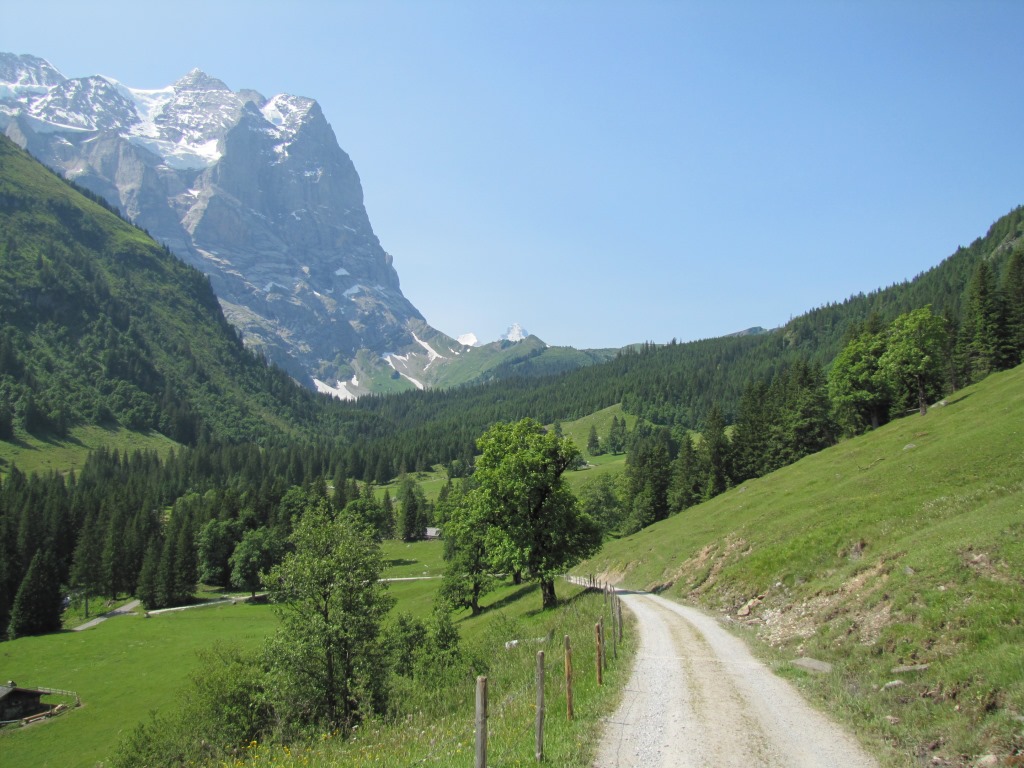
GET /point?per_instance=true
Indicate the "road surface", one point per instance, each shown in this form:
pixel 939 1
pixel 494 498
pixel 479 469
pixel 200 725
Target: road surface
pixel 698 698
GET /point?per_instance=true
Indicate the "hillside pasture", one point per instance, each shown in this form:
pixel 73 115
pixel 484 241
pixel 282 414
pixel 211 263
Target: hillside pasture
pixel 894 556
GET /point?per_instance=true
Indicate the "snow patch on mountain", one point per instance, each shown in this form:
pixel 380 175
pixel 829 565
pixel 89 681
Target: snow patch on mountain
pixel 183 123
pixel 432 354
pixel 418 384
pixel 341 391
pixel 516 332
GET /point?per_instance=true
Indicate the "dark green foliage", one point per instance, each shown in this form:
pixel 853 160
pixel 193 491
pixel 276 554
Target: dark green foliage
pixel 715 455
pixel 1013 296
pixel 258 551
pixel 216 541
pixel 685 481
pixel 599 498
pixel 983 330
pixel 594 442
pixel 373 512
pixel 647 475
pixel 414 511
pixel 37 605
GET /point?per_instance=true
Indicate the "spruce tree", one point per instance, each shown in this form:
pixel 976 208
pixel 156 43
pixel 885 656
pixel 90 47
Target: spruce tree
pixel 1013 296
pixel 38 603
pixel 983 330
pixel 715 454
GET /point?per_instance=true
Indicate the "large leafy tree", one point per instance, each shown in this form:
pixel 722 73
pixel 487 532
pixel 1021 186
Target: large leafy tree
pixel 258 551
pixel 913 358
pixel 468 550
pixel 520 477
pixel 858 390
pixel 331 603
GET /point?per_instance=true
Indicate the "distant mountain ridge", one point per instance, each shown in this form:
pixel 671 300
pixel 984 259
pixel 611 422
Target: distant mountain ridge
pixel 253 191
pixel 99 324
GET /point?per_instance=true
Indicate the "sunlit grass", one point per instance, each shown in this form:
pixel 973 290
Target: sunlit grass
pixel 901 547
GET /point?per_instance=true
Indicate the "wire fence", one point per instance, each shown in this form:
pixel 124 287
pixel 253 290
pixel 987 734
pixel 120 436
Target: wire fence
pixel 520 738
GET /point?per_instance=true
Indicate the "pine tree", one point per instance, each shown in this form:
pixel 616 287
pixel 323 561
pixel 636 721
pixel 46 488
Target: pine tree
pixel 1013 296
pixel 685 485
pixel 87 568
pixel 593 442
pixel 982 329
pixel 715 454
pixel 617 436
pixel 146 590
pixel 37 605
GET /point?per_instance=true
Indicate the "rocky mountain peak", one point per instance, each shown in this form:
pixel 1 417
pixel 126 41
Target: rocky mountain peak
pixel 197 80
pixel 27 71
pixel 255 192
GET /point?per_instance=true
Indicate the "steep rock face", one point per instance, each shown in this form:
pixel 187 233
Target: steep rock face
pixel 253 191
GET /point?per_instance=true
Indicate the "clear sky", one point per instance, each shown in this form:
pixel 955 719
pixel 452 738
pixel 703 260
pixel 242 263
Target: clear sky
pixel 605 173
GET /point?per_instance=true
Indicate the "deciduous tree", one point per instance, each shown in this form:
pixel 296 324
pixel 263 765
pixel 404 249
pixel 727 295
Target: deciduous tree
pixel 519 474
pixel 912 362
pixel 331 602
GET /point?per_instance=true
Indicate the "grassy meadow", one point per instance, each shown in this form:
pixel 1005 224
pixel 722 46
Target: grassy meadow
pixel 127 667
pixel 32 454
pixel 900 548
pixel 122 669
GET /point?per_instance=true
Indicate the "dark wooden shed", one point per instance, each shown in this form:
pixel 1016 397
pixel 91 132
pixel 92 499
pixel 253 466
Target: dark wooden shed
pixel 16 702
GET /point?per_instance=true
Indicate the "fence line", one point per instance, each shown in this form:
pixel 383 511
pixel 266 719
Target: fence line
pixel 612 604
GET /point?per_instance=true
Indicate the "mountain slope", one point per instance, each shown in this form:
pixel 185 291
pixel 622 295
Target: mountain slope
pixel 99 323
pixel 253 191
pixel 899 548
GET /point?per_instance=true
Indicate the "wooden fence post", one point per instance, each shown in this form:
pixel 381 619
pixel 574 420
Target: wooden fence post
pixel 615 633
pixel 539 746
pixel 481 722
pixel 568 679
pixel 604 647
pixel 597 656
pixel 619 610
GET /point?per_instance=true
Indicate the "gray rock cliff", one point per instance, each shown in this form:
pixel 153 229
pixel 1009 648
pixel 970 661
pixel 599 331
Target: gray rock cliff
pixel 255 192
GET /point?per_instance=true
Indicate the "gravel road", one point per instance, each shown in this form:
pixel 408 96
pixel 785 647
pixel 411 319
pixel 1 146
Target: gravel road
pixel 698 698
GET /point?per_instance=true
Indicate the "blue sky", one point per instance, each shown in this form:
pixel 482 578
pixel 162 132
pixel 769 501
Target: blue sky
pixel 606 173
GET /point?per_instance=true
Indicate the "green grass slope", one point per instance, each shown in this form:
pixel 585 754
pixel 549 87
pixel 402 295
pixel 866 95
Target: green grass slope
pixel 64 454
pixel 900 548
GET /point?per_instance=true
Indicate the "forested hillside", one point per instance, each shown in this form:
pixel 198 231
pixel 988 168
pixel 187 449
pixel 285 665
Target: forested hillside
pixel 677 384
pixel 100 324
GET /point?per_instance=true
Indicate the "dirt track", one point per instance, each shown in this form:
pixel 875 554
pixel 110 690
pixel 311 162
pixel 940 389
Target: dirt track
pixel 698 698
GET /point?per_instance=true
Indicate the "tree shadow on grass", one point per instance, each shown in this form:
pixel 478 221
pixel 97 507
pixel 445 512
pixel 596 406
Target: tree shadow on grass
pixel 519 594
pixel 399 561
pixel 516 596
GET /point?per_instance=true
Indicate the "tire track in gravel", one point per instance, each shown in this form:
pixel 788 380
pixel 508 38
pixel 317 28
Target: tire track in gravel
pixel 697 698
